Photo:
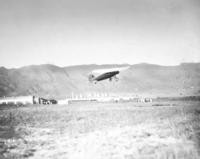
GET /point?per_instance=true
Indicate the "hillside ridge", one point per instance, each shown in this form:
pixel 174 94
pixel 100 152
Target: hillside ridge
pixel 140 79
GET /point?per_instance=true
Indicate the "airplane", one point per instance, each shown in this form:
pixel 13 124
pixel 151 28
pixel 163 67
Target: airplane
pixel 103 74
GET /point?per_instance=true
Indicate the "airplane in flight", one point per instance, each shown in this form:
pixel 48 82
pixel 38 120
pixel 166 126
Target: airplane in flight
pixel 103 74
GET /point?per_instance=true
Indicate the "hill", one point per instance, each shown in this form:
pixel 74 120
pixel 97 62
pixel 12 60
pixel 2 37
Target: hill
pixel 140 79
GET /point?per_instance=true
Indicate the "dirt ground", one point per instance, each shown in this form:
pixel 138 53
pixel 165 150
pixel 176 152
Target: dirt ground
pixel 164 130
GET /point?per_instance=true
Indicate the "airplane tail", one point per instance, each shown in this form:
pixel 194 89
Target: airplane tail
pixel 91 77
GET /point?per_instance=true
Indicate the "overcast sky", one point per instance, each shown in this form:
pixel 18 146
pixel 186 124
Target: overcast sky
pixel 70 32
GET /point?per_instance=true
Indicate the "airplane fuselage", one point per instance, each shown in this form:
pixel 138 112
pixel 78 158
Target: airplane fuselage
pixel 107 75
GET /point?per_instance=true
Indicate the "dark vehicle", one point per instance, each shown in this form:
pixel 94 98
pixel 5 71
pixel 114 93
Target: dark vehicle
pixel 47 101
pixel 53 101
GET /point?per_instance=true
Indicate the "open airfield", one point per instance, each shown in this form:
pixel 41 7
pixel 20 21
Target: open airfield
pixel 88 130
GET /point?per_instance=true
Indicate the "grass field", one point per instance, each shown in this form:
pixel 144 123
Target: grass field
pixel 164 130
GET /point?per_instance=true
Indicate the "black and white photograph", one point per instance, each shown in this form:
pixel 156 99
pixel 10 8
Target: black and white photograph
pixel 99 79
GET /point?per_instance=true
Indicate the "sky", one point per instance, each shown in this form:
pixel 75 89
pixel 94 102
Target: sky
pixel 75 32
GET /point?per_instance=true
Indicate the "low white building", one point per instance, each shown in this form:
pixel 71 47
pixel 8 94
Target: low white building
pixel 63 101
pixel 17 100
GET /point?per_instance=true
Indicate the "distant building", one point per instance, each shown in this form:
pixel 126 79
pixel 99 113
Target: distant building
pixel 18 100
pixel 27 100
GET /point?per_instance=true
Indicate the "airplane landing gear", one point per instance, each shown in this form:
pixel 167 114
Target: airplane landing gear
pixel 115 78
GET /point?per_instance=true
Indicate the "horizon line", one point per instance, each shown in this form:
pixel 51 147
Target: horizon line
pixel 98 64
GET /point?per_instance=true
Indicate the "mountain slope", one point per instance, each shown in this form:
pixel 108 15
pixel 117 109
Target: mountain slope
pixel 54 81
